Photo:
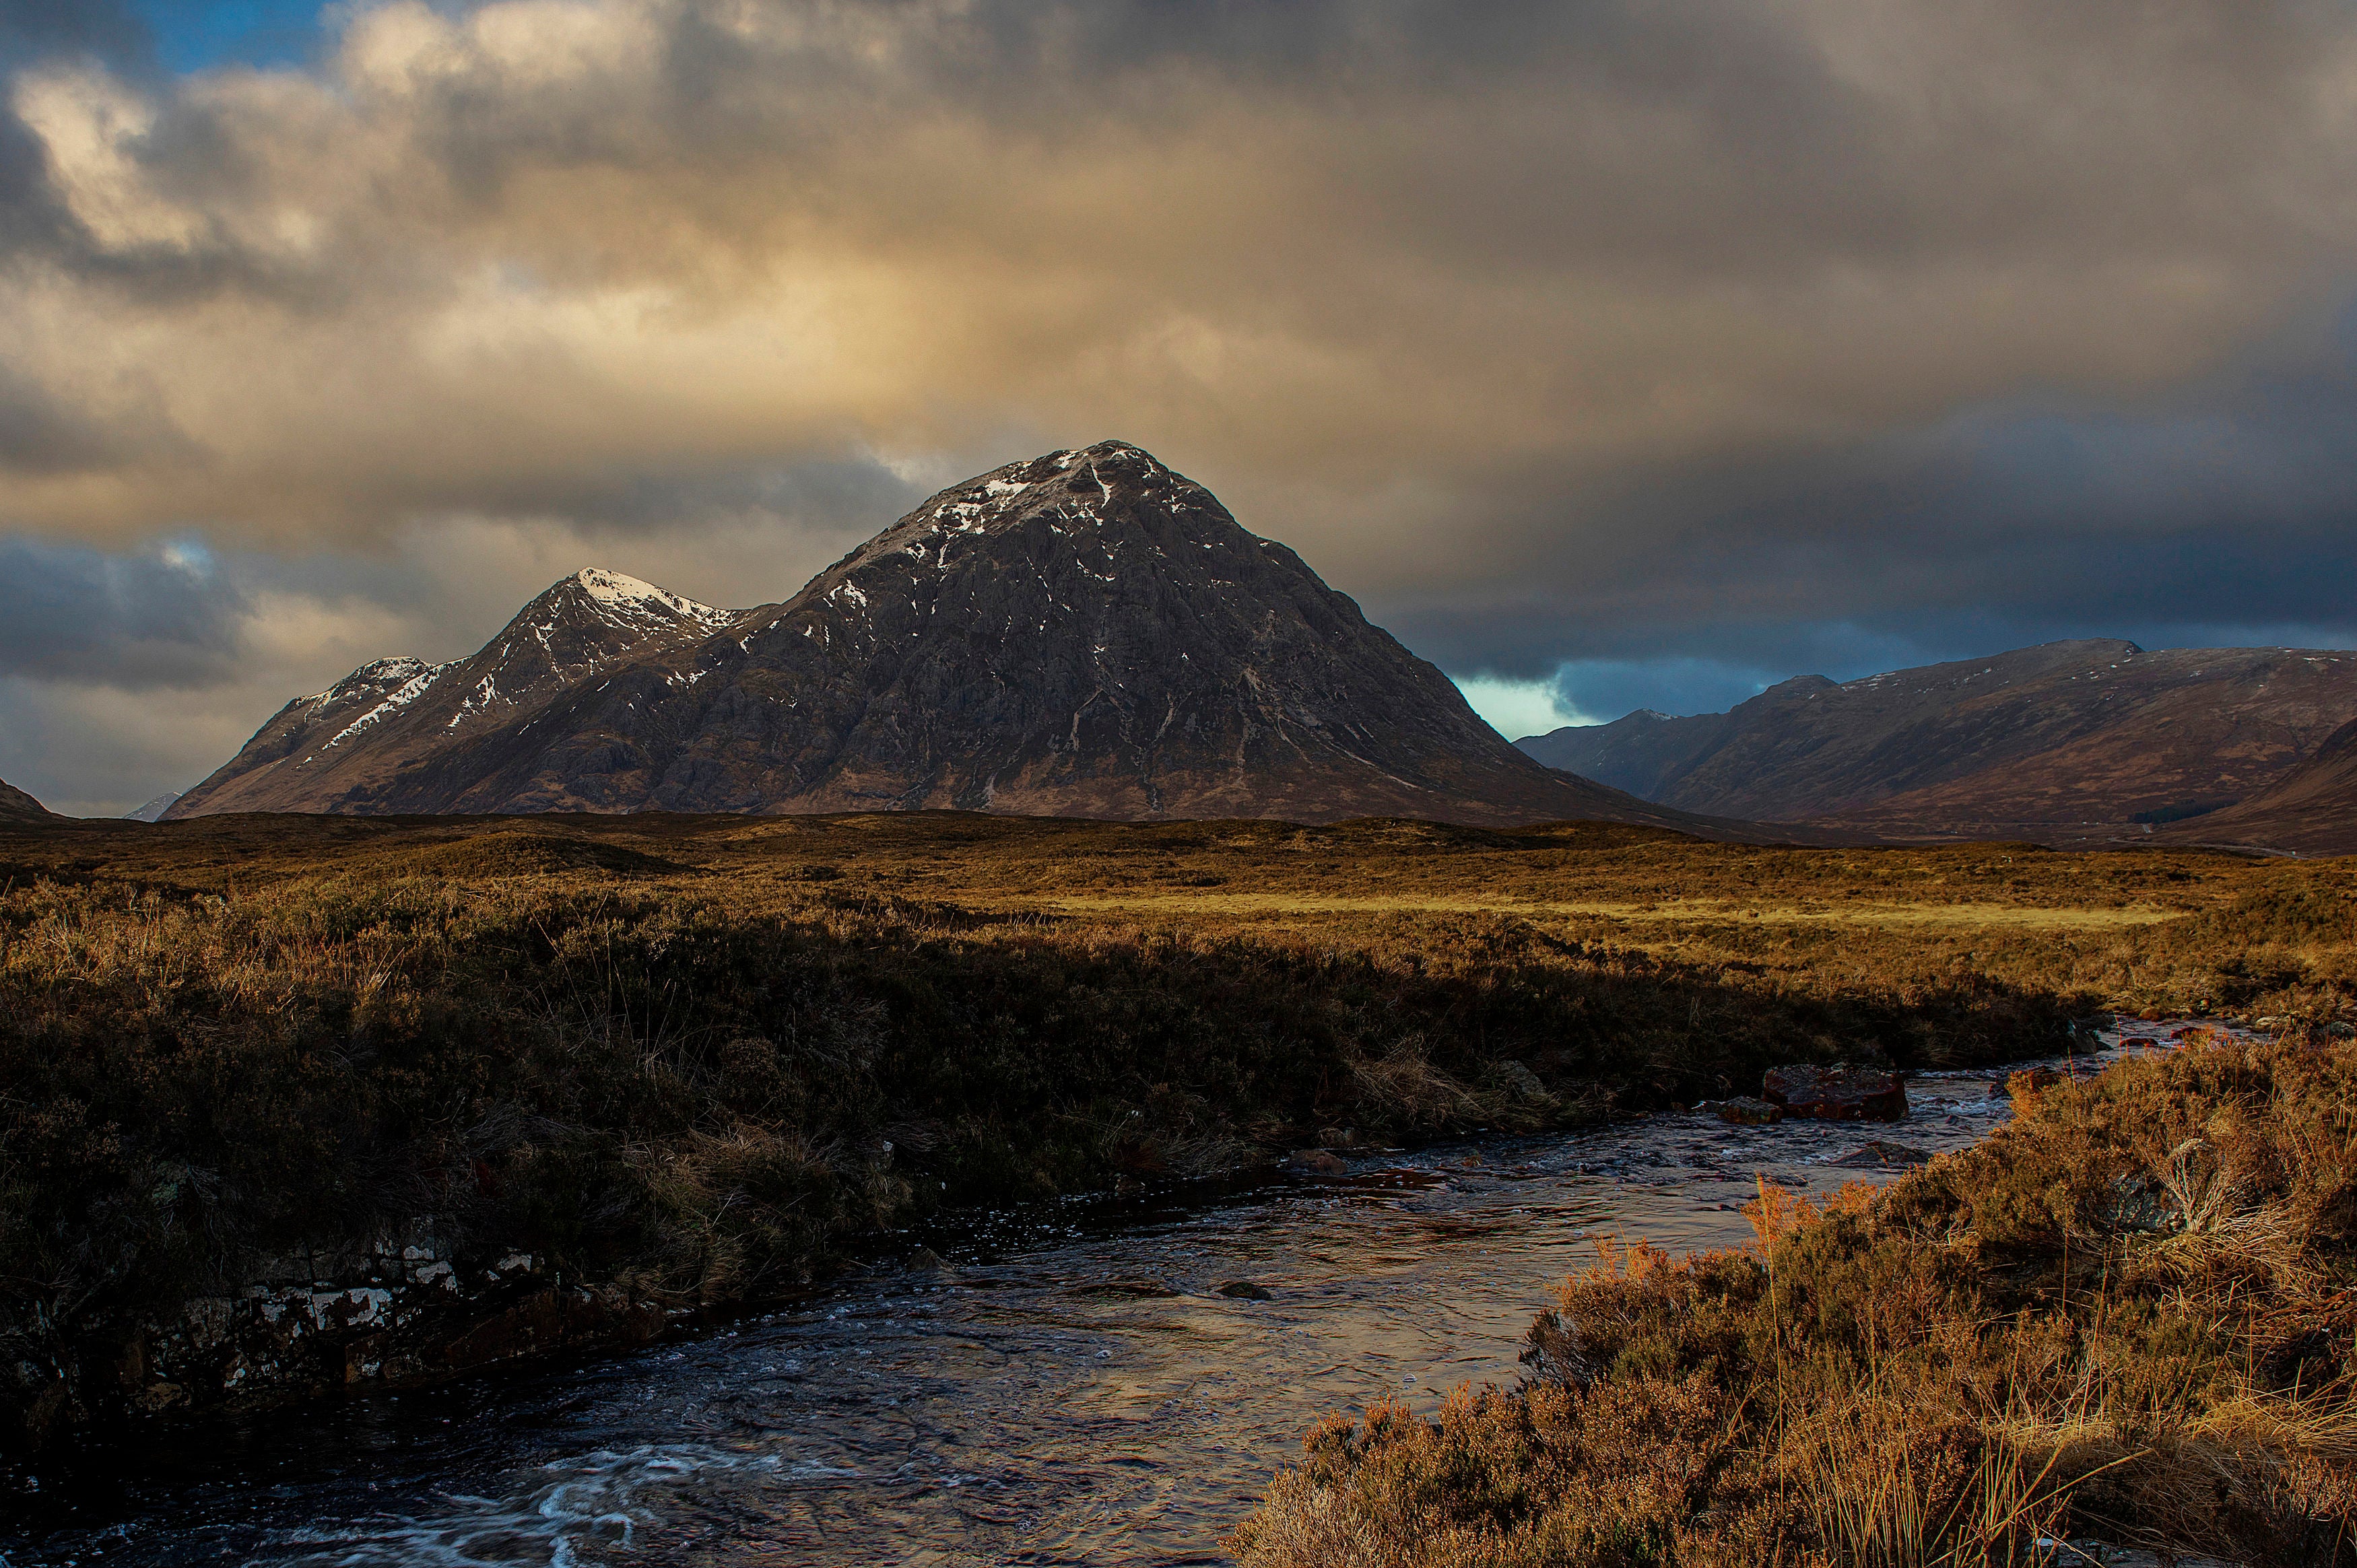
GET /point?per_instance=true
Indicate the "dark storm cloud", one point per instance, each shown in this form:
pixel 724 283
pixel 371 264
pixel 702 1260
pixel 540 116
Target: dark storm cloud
pixel 100 32
pixel 2226 513
pixel 850 496
pixel 1319 251
pixel 126 621
pixel 38 435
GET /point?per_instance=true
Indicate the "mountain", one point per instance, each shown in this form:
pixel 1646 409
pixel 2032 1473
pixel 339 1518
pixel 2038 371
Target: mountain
pixel 2069 739
pixel 325 752
pixel 154 810
pixel 2312 810
pixel 1086 633
pixel 16 807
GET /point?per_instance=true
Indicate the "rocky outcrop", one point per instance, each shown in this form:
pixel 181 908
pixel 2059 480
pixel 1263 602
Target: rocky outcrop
pixel 409 1310
pixel 1086 633
pixel 1877 1156
pixel 2070 740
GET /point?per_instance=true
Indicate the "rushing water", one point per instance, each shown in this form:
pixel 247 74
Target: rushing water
pixel 1064 1384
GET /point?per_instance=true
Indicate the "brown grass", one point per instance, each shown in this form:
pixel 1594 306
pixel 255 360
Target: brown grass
pixel 2128 1315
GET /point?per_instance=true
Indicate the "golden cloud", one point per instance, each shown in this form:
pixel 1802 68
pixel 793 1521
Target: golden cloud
pixel 1361 262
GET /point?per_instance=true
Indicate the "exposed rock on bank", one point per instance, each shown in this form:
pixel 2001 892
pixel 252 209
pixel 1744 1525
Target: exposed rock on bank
pixel 404 1312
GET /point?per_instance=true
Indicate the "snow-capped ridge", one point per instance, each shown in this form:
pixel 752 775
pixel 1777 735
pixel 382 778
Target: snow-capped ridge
pixel 398 698
pixel 154 809
pixel 1070 487
pixel 629 593
pixel 379 675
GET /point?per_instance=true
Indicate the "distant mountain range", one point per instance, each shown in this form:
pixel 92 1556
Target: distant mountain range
pixel 1087 633
pixel 2068 741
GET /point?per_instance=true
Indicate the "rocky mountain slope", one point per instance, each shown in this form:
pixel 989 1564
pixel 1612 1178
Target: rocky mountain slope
pixel 16 806
pixel 322 752
pixel 1086 633
pixel 2070 739
pixel 2312 810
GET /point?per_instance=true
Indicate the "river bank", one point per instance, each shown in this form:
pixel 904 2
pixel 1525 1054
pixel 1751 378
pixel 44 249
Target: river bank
pixel 2124 1315
pixel 1059 1382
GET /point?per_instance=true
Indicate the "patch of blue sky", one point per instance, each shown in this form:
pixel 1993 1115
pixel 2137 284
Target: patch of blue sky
pixel 1518 708
pixel 199 35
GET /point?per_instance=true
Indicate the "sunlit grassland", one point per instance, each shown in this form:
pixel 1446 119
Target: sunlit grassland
pixel 1685 911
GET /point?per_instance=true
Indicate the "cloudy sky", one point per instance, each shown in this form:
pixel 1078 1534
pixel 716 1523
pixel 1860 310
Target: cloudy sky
pixel 1612 352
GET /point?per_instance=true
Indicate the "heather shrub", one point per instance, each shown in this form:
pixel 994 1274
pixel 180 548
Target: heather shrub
pixel 2123 1315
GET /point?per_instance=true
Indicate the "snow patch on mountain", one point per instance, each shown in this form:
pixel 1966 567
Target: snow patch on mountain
pixel 376 677
pixel 394 701
pixel 630 593
pixel 153 809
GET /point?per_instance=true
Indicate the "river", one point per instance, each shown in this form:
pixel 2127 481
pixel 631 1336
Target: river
pixel 1064 1383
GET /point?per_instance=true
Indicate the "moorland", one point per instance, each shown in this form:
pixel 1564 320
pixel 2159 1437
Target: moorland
pixel 690 1060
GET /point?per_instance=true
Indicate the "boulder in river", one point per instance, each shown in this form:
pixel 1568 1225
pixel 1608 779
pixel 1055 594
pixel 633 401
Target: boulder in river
pixel 1244 1290
pixel 1837 1093
pixel 1746 1112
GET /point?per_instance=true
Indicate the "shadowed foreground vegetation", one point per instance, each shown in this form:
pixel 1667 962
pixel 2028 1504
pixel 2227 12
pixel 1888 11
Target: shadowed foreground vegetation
pixel 2126 1316
pixel 696 1057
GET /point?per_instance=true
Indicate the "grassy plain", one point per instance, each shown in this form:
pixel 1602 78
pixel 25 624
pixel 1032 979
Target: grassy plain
pixel 697 1054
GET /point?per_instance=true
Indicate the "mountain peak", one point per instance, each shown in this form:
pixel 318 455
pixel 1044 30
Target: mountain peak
pixel 320 751
pixel 1079 521
pixel 1085 632
pixel 154 810
pixel 1078 488
pixel 604 584
pixel 620 600
pixel 2063 741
